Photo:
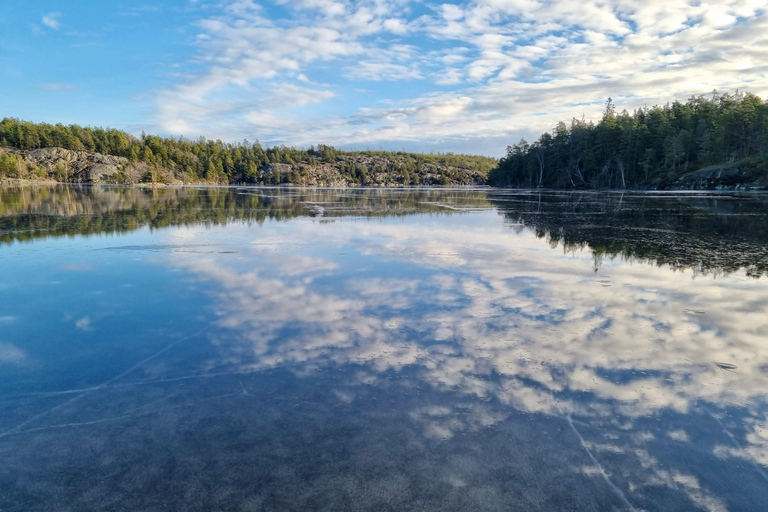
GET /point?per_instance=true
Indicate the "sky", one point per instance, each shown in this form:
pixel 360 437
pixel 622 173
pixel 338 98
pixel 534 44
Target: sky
pixel 467 76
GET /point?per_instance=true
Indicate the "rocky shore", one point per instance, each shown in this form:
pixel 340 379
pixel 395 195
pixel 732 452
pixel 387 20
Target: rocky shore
pixel 346 170
pixel 351 169
pixel 76 166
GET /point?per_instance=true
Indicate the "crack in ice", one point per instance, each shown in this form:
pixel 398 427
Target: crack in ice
pixel 605 476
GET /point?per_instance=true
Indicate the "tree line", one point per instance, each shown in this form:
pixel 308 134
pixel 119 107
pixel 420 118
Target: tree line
pixel 650 147
pixel 214 161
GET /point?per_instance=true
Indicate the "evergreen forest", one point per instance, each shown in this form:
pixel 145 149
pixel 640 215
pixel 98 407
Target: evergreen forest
pixel 722 140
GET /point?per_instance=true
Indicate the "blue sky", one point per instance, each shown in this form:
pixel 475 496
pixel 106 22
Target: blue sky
pixel 464 76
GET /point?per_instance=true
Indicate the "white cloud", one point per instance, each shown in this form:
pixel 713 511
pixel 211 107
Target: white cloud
pixel 449 77
pixel 377 71
pixel 525 64
pixel 396 26
pixel 84 324
pixel 397 62
pixel 51 20
pixel 326 7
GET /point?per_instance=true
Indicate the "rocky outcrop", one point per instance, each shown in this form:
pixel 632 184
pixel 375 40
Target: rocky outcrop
pixel 372 170
pixel 100 172
pixel 78 166
pixel 369 169
pixel 741 175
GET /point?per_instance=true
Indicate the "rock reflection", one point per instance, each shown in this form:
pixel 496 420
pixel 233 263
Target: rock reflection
pixel 28 213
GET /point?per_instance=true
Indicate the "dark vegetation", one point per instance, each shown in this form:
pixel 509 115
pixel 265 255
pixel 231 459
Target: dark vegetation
pixel 724 137
pixel 159 159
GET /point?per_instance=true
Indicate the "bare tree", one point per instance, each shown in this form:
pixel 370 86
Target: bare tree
pixel 538 152
pixel 620 163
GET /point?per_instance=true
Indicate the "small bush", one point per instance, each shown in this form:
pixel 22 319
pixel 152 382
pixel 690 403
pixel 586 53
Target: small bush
pixel 11 166
pixel 61 172
pixel 149 177
pixel 39 172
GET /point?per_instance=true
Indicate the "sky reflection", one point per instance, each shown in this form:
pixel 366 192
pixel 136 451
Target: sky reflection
pixel 458 337
pixel 493 314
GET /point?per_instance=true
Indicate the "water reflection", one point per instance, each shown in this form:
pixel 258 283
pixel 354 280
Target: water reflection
pixel 28 213
pixel 439 362
pixel 707 233
pixel 539 334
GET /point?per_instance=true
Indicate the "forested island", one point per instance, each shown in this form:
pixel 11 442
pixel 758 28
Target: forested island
pixel 719 142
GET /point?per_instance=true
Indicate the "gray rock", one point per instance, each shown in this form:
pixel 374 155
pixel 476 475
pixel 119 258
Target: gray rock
pixel 740 175
pixel 100 172
pixel 281 168
pixel 84 166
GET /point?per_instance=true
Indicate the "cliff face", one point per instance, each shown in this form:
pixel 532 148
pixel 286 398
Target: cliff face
pixel 68 165
pixel 350 169
pixel 369 170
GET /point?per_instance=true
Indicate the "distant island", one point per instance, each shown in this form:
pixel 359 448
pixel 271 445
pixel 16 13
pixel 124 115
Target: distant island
pixel 705 143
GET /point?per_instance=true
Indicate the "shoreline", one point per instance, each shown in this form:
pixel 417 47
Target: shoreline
pixel 23 182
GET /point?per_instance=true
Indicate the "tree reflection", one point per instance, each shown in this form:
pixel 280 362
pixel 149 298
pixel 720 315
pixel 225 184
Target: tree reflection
pixel 706 233
pixel 709 234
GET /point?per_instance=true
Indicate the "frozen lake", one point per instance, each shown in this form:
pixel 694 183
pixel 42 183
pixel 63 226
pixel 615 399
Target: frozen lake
pixel 432 349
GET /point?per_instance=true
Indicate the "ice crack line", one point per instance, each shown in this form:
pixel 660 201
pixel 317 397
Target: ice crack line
pixel 736 442
pixel 161 381
pixel 129 414
pixel 607 479
pixel 103 385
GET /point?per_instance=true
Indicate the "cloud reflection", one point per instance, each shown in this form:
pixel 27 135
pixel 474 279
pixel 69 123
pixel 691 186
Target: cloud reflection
pixel 539 348
pixel 11 354
pixel 496 314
